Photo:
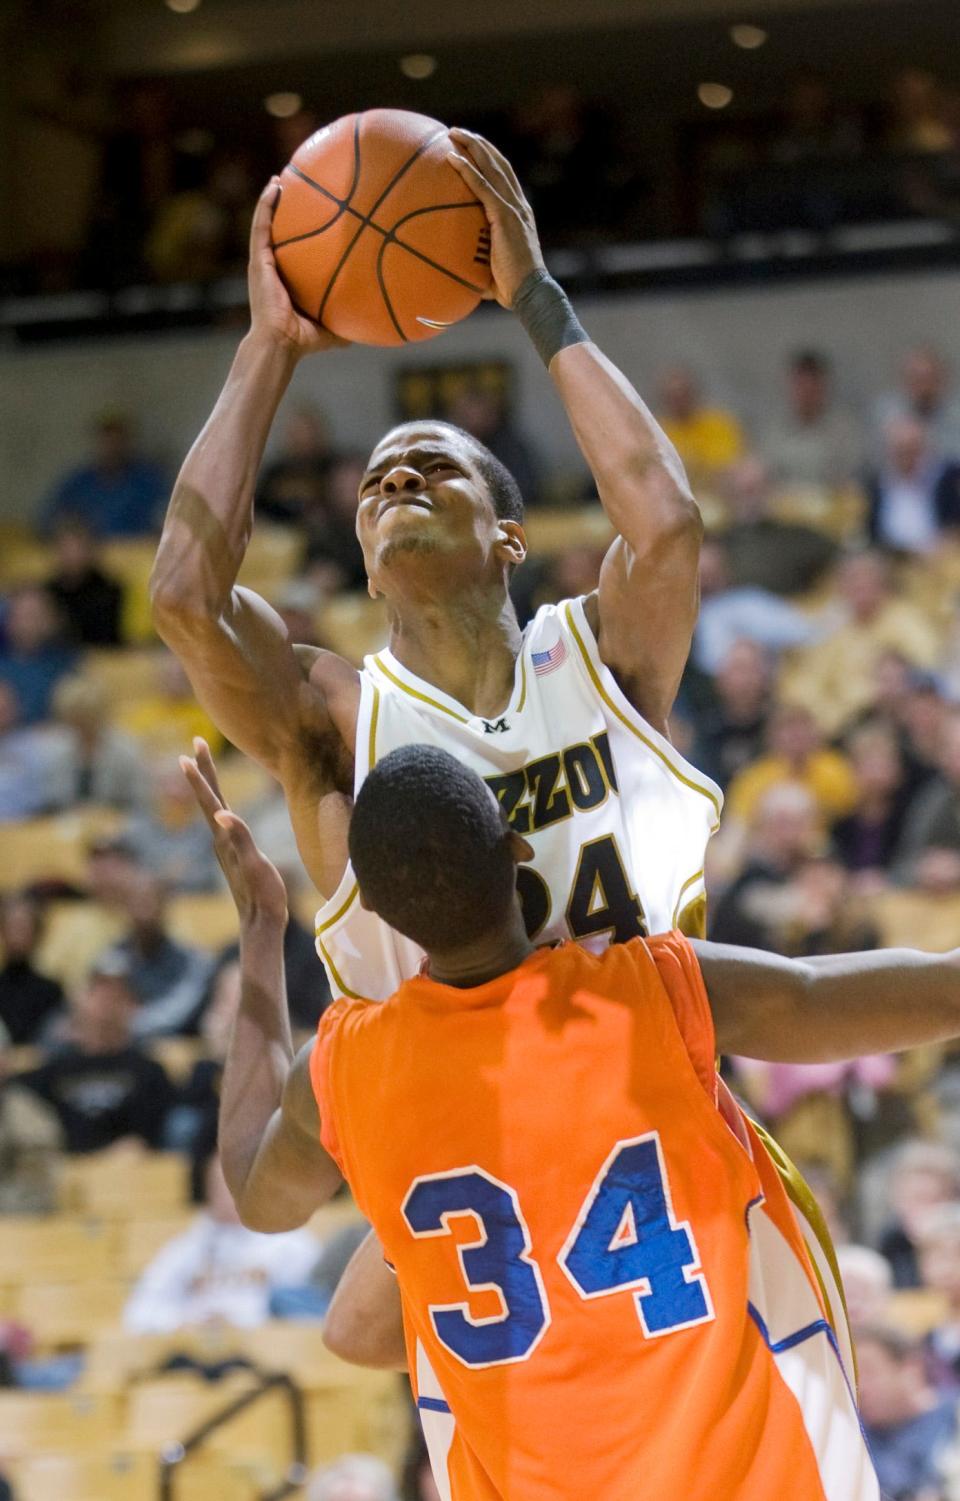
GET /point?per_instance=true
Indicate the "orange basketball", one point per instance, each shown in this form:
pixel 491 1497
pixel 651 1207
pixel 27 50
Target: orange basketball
pixel 376 236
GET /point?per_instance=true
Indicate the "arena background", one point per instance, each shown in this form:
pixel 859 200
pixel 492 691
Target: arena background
pixel 756 212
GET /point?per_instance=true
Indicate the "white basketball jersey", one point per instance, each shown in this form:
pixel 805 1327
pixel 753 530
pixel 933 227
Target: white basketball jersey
pixel 618 821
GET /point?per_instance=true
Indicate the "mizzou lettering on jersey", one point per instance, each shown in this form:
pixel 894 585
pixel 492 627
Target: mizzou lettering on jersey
pixel 554 787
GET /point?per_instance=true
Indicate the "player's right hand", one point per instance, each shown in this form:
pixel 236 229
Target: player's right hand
pixel 255 883
pixel 273 315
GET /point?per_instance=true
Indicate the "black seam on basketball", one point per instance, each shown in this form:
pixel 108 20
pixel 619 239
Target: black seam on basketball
pixel 391 235
pixel 427 141
pixel 385 294
pixel 343 259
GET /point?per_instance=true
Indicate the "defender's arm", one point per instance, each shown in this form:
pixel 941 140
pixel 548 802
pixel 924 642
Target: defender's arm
pixel 837 1007
pixel 274 1164
pixel 647 600
pixel 364 1323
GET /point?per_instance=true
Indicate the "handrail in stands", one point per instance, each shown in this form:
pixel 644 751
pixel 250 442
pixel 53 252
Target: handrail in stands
pixel 174 1456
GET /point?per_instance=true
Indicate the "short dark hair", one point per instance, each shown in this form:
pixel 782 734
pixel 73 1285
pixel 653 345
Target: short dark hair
pixel 431 849
pixel 504 490
pixel 809 362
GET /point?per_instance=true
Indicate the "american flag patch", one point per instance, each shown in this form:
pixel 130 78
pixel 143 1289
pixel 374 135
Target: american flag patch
pixel 549 661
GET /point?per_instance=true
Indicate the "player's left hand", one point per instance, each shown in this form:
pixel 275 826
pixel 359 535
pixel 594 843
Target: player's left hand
pixel 255 883
pixel 514 242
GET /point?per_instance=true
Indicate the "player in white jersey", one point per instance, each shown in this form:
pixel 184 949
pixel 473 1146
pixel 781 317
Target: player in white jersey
pixel 617 820
pixel 440 524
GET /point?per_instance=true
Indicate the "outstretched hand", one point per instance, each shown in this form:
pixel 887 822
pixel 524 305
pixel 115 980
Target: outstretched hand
pixel 514 242
pixel 255 883
pixel 271 310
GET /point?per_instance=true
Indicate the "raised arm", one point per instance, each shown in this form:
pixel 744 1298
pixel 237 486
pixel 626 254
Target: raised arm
pixel 647 600
pixel 832 1008
pixel 235 648
pixel 274 1164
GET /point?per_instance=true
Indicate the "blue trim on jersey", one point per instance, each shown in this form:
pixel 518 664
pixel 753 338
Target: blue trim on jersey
pixel 777 1347
pixel 432 1404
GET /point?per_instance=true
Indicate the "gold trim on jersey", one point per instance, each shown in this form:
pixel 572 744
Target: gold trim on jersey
pixel 372 742
pixel 674 770
pixel 324 951
pixel 415 693
pixel 523 683
pixel 690 881
pixel 692 921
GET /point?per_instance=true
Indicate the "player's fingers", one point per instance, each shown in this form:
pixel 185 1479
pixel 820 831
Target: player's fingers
pixel 238 834
pixel 210 805
pixel 263 218
pixel 205 761
pixel 492 163
pixel 474 178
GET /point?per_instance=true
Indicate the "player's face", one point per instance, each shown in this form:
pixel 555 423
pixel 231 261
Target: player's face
pixel 422 497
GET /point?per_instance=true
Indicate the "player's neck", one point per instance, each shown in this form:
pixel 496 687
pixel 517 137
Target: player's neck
pixel 467 647
pixel 488 958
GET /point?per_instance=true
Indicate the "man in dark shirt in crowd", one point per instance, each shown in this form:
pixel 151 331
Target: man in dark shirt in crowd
pixel 119 492
pixel 909 1430
pixel 731 726
pixel 101 1086
pixel 27 998
pixel 784 557
pixel 90 600
pixel 293 482
pixel 34 652
pixel 167 978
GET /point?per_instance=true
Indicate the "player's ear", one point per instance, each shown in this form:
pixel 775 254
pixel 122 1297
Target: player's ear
pixel 511 542
pixel 521 849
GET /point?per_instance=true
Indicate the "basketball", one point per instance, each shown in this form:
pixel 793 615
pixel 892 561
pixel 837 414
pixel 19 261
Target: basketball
pixel 376 235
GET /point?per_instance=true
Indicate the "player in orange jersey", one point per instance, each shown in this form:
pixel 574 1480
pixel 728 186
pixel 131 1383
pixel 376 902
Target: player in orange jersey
pixel 582 1242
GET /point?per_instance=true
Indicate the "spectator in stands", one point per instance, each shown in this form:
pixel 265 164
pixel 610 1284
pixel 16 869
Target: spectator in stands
pixel 708 438
pixel 334 560
pixel 865 838
pixel 913 499
pixel 837 678
pixel 194 1116
pixel 168 979
pixel 908 1428
pixel 938 1244
pixel 920 120
pixel 293 485
pixel 483 413
pixel 34 652
pixel 783 836
pixel 782 557
pixel 119 493
pixel 353 1477
pixel 201 231
pixel 168 718
pixel 24 789
pixel 88 759
pixel 172 840
pixel 741 612
pixel 102 1087
pixel 867 1285
pixel 814 443
pixel 731 729
pixel 91 601
pixel 28 999
pixel 932 822
pixel 925 1176
pixel 795 753
pixel 217 1270
pixel 925 393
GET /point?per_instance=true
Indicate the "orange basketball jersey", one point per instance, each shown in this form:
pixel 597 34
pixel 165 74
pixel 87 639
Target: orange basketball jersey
pixel 582 1242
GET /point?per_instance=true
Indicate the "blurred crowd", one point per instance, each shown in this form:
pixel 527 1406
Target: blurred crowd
pixel 822 694
pixel 166 201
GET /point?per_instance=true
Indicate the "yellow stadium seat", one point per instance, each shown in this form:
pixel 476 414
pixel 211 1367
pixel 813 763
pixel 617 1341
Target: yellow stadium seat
pixel 242 781
pixel 125 675
pixel 916 1310
pixel 206 920
pixel 75 934
pixel 47 1422
pixel 124 1476
pixel 167 1409
pixel 916 919
pixel 63 1315
pixel 124 1185
pixel 551 532
pixel 59 1248
pixel 43 849
pixel 142 1239
pixel 272 558
pixel 176 1054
